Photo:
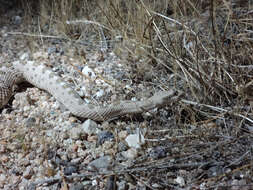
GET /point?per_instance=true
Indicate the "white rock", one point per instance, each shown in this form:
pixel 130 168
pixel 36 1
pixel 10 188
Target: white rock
pixel 28 173
pixel 180 181
pixel 100 93
pixel 130 153
pixel 94 182
pixel 75 133
pixel 135 140
pixel 82 91
pixel 40 54
pixel 119 38
pixel 24 56
pixel 2 178
pixel 27 108
pixel 16 20
pixel 122 135
pixel 90 127
pixel 103 162
pixel 88 72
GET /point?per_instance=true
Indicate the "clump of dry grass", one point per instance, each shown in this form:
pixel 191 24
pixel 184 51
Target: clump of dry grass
pixel 205 45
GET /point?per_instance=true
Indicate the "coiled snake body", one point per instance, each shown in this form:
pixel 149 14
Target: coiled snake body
pixel 42 77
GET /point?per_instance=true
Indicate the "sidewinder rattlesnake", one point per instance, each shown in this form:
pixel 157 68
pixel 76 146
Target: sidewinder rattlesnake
pixel 44 78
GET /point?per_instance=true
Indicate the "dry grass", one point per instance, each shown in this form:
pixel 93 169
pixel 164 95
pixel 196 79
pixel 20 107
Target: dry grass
pixel 206 45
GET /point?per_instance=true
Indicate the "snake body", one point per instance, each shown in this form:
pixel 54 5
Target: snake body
pixel 44 78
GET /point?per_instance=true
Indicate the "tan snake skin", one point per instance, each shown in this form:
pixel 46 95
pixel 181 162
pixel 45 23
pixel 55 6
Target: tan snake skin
pixel 42 77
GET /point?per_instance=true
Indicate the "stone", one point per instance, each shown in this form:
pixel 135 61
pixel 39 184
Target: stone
pixel 180 180
pixel 135 140
pixel 130 153
pixel 28 173
pixel 89 127
pixel 75 133
pixel 104 136
pixel 69 170
pixel 158 152
pixel 101 163
pixel 122 135
pixel 88 72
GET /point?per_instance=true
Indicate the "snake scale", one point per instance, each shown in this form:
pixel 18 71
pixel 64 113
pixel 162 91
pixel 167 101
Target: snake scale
pixel 44 78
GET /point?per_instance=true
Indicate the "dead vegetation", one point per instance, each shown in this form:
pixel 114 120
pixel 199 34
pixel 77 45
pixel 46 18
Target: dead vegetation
pixel 205 48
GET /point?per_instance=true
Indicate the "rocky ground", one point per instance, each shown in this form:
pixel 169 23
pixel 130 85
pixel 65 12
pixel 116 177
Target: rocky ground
pixel 43 146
